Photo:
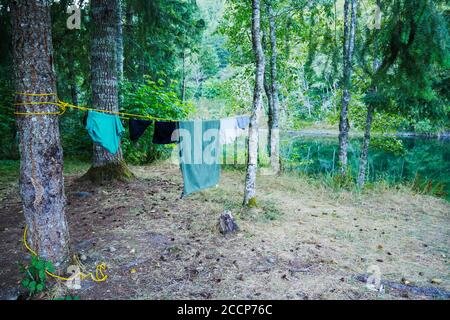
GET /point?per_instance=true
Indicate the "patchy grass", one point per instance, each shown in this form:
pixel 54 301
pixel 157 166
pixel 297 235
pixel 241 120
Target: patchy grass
pixel 304 240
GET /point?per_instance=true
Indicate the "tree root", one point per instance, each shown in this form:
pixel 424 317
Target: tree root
pixel 109 173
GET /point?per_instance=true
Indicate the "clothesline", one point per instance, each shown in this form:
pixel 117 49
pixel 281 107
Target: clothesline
pixel 106 129
pixel 64 105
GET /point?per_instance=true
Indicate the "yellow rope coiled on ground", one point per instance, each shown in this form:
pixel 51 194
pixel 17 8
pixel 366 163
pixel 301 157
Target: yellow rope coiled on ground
pixel 99 269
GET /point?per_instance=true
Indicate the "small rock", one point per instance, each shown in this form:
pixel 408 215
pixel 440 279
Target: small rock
pixel 380 260
pixel 82 194
pixel 227 224
pixel 132 251
pixel 240 277
pixel 271 260
pixel 112 249
pixel 83 257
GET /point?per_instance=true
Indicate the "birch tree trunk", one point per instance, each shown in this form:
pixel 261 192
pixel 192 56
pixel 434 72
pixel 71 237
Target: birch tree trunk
pixel 41 157
pixel 106 166
pixel 349 45
pixel 363 161
pixel 274 119
pixel 268 91
pixel 365 147
pixel 252 160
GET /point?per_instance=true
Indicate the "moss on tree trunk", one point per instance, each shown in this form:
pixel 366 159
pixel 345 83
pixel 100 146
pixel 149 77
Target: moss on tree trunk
pixel 109 173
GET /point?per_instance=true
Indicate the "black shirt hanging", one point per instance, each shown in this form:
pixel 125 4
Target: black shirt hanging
pixel 137 128
pixel 164 131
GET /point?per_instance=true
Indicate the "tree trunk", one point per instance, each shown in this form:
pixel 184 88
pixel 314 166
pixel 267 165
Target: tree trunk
pixel 128 39
pixel 183 79
pixel 273 124
pixel 369 118
pixel 106 166
pixel 365 148
pixel 252 158
pixel 349 45
pixel 72 79
pixel 41 163
pixel 119 46
pixel 268 91
pixel 119 42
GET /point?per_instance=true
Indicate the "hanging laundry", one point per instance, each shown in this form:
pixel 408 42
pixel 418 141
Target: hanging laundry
pixel 243 122
pixel 85 119
pixel 105 129
pixel 164 132
pixel 199 154
pixel 233 128
pixel 137 128
pixel 228 130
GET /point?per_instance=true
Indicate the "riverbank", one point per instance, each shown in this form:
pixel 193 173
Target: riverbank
pixel 303 241
pixel 318 131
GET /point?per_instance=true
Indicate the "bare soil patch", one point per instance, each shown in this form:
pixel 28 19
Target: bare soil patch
pixel 302 242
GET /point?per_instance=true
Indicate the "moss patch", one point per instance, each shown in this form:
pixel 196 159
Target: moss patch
pixel 108 173
pixel 252 203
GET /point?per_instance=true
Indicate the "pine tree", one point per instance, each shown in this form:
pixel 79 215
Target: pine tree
pixel 41 163
pixel 106 166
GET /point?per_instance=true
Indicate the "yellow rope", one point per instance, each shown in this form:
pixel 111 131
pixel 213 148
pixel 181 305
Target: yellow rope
pixel 64 105
pixel 35 94
pixel 99 269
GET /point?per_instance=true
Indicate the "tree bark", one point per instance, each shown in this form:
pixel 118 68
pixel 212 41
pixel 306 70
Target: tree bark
pixel 106 166
pixel 119 41
pixel 41 163
pixel 349 45
pixel 369 118
pixel 274 135
pixel 72 79
pixel 252 158
pixel 268 91
pixel 183 78
pixel 365 147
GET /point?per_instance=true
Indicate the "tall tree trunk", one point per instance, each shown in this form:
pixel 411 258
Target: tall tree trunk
pixel 363 161
pixel 183 80
pixel 268 91
pixel 106 166
pixel 273 124
pixel 250 179
pixel 72 79
pixel 349 45
pixel 119 41
pixel 365 147
pixel 41 163
pixel 128 39
pixel 119 46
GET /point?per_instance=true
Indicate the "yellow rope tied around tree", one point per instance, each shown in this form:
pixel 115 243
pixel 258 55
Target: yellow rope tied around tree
pixel 64 105
pixel 99 269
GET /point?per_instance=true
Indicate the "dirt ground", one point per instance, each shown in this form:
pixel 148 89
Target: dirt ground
pixel 304 241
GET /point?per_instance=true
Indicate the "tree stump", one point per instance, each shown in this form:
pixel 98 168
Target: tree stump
pixel 227 224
